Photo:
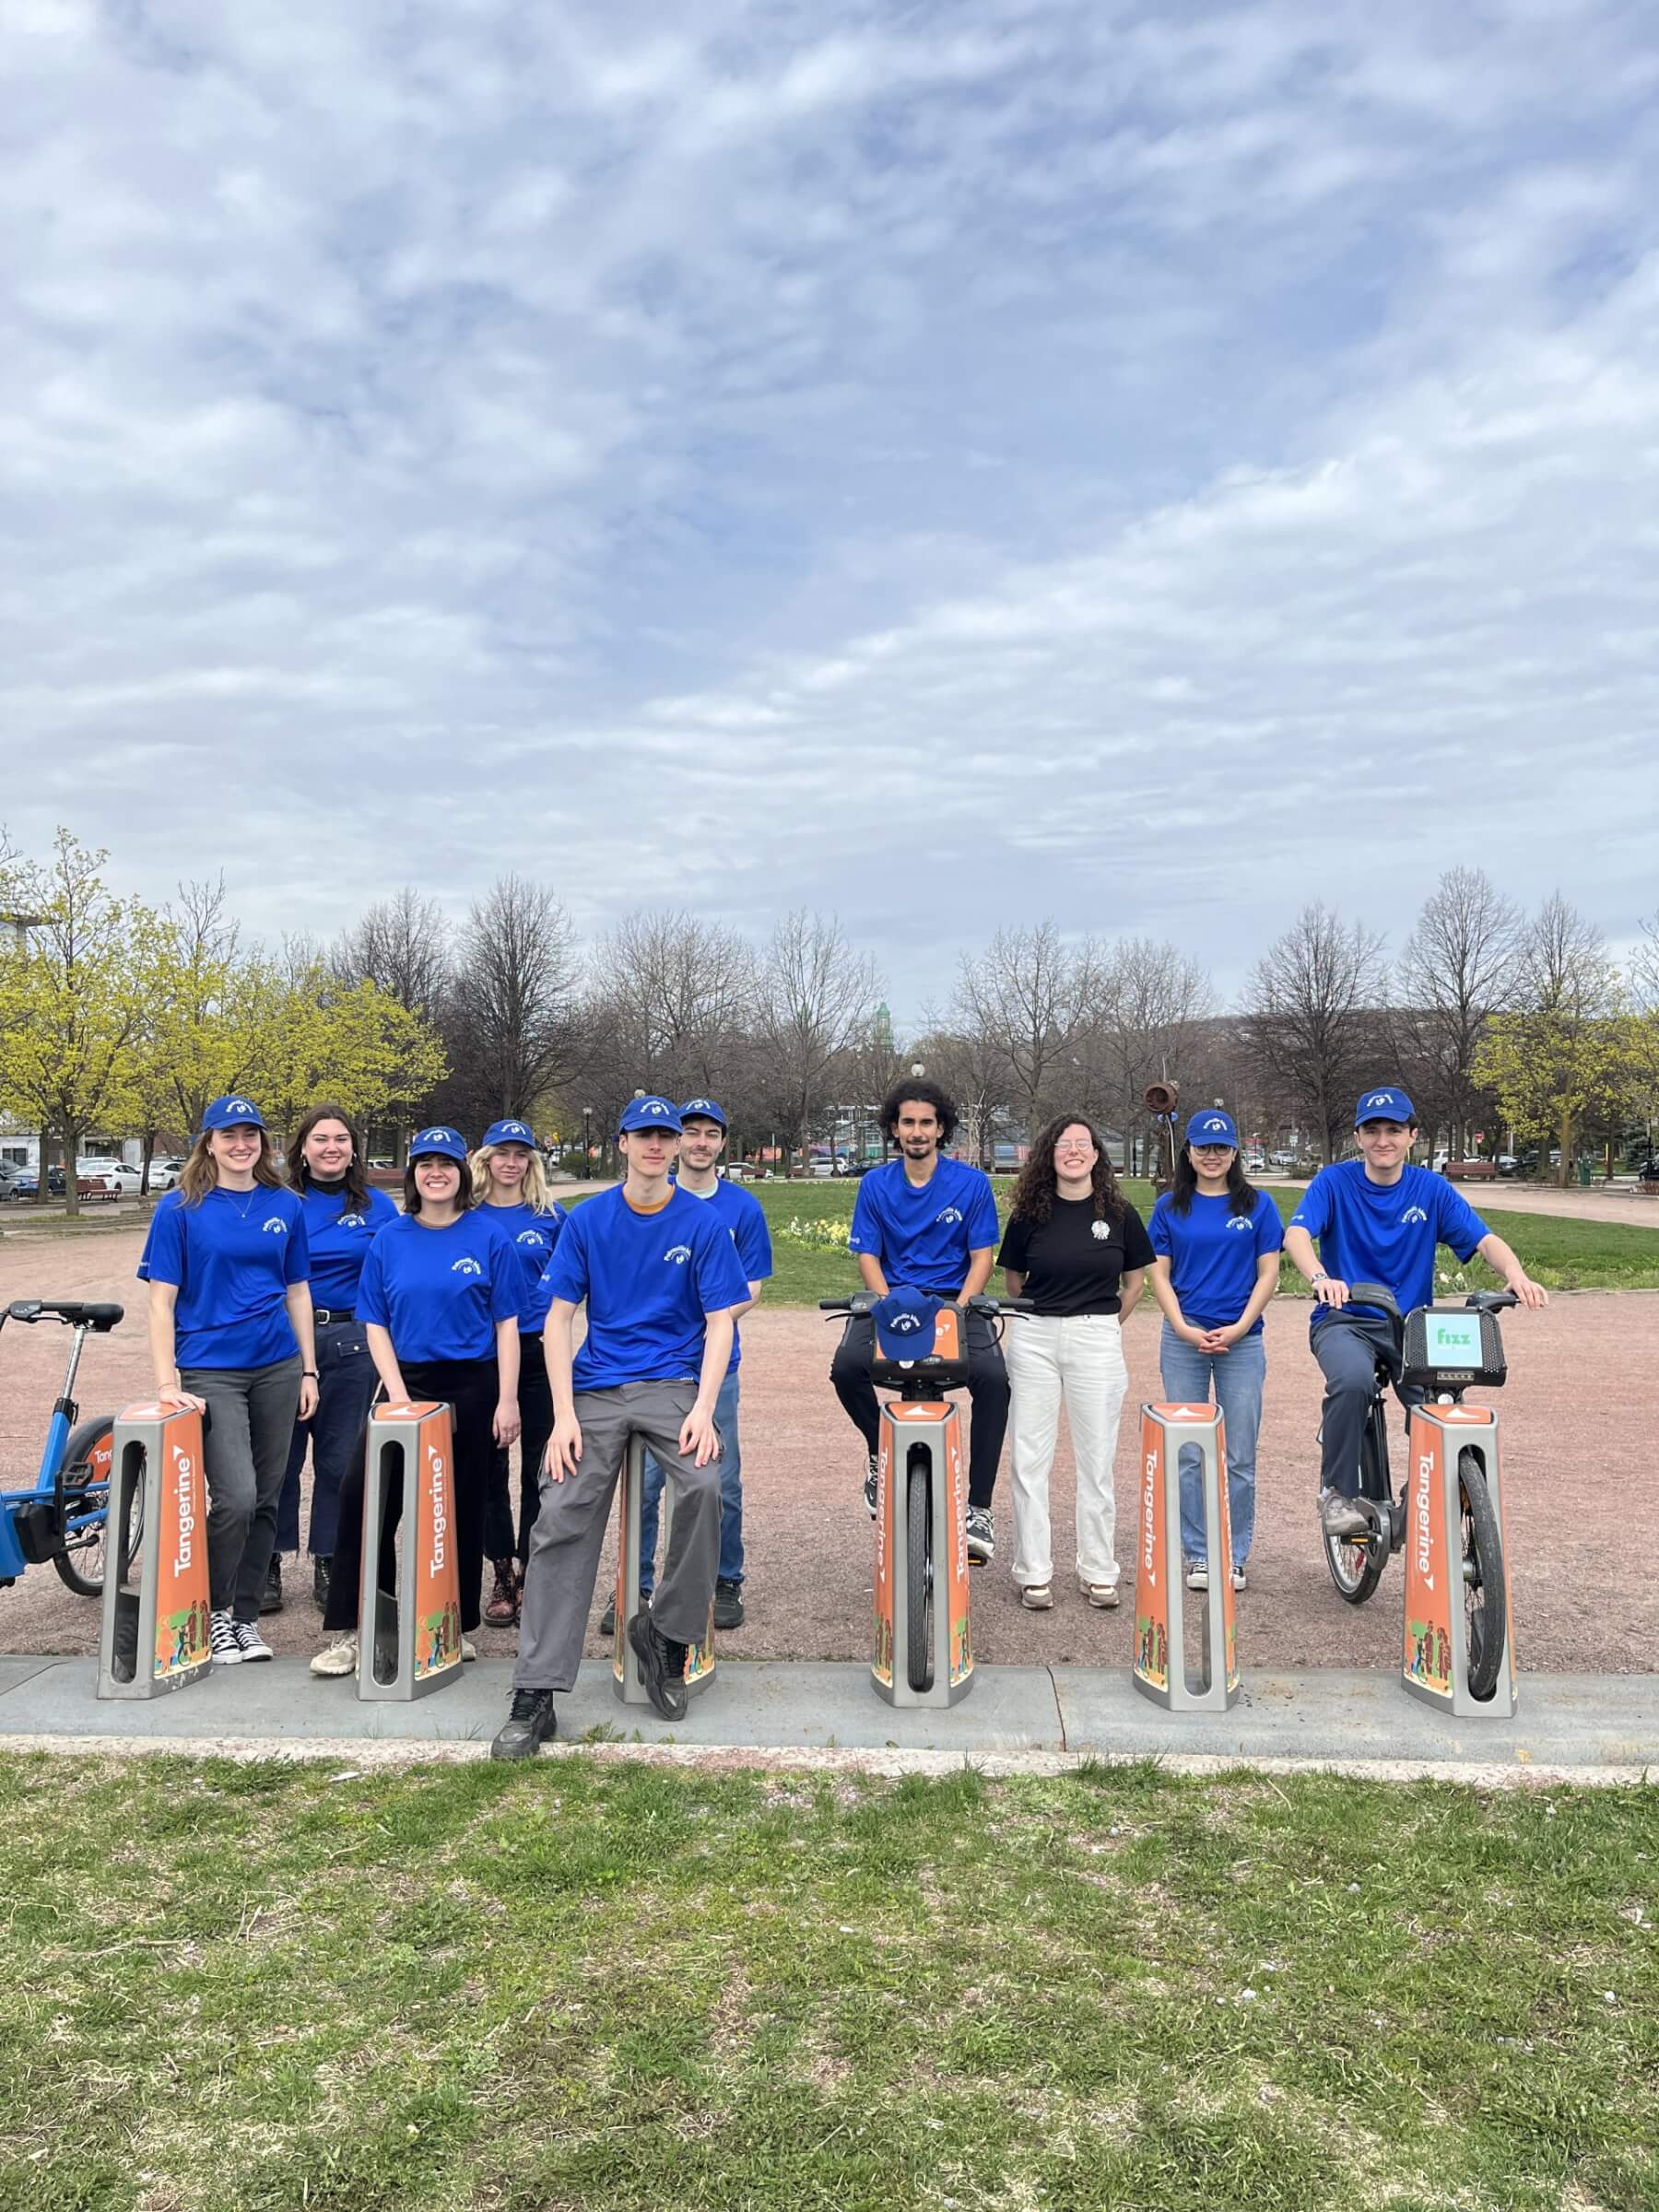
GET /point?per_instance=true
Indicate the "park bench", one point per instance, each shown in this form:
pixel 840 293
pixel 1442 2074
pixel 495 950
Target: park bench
pixel 1472 1170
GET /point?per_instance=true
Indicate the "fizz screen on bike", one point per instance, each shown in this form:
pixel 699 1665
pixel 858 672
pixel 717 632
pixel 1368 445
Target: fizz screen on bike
pixel 1451 1346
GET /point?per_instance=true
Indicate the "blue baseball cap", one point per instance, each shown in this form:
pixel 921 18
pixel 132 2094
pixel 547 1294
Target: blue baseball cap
pixel 510 1133
pixel 1213 1127
pixel 231 1112
pixel 1384 1106
pixel 904 1323
pixel 649 1112
pixel 439 1142
pixel 705 1110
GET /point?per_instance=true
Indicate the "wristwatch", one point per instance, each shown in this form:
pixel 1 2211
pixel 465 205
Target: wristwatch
pixel 1321 1277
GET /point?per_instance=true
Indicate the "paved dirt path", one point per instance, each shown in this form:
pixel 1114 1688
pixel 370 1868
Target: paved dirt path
pixel 1581 1467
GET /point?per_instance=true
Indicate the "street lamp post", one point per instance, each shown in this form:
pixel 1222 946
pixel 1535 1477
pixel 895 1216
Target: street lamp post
pixel 587 1143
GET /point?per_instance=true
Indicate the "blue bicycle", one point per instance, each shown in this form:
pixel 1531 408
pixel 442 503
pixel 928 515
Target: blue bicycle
pixel 62 1517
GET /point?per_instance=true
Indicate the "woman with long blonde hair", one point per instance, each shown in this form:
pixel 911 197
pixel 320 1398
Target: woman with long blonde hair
pixel 231 1333
pixel 508 1178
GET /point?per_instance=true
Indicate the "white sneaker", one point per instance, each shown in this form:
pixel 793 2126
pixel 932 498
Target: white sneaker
pixel 1103 1596
pixel 469 1649
pixel 253 1645
pixel 1340 1516
pixel 1037 1597
pixel 222 1642
pixel 338 1660
pixel 1197 1574
pixel 1238 1578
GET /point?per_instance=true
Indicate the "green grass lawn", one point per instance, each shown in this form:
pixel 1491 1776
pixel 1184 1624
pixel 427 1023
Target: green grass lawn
pixel 606 1985
pixel 1562 1253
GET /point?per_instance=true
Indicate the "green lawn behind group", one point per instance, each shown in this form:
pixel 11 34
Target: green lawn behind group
pixel 1564 1253
pixel 612 1985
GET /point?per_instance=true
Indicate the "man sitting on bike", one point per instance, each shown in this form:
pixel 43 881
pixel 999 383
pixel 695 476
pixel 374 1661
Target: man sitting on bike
pixel 1377 1221
pixel 930 1222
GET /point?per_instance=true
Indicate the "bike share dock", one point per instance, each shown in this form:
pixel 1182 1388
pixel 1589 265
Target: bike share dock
pixel 1587 1727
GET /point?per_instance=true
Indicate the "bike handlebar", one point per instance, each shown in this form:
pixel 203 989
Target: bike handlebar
pixel 864 1301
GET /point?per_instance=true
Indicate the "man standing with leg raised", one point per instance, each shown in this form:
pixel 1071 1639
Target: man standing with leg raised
pixel 662 1284
pixel 702 1140
pixel 928 1221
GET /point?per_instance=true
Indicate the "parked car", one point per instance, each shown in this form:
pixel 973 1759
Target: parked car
pixel 741 1171
pixel 1508 1164
pixel 164 1174
pixel 29 1182
pixel 125 1179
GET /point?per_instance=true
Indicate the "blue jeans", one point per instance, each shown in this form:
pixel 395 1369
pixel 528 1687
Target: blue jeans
pixel 1237 1376
pixel 346 1387
pixel 731 1496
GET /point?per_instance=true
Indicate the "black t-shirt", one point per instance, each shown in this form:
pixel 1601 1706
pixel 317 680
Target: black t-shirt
pixel 1073 1262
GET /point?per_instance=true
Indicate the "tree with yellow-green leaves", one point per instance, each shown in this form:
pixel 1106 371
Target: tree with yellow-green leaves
pixel 75 995
pixel 1560 1058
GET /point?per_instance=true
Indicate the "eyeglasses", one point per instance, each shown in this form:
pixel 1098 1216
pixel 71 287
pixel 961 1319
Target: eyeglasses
pixel 1074 1148
pixel 1212 1151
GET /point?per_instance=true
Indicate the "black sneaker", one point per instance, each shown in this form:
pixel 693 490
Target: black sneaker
pixel 663 1664
pixel 322 1573
pixel 607 1619
pixel 530 1722
pixel 872 1483
pixel 272 1600
pixel 728 1605
pixel 981 1536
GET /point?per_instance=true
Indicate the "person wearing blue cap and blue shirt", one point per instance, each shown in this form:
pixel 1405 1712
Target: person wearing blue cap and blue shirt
pixel 231 1333
pixel 1378 1220
pixel 658 1273
pixel 702 1140
pixel 438 1298
pixel 1218 1242
pixel 508 1178
pixel 929 1223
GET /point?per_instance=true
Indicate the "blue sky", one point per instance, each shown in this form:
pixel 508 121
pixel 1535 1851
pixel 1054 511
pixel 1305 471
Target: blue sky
pixel 944 463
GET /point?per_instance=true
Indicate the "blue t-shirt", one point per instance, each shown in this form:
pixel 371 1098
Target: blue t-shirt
pixel 233 1257
pixel 1213 1252
pixel 439 1292
pixel 1385 1232
pixel 532 1237
pixel 339 1237
pixel 923 1234
pixel 650 1280
pixel 744 1217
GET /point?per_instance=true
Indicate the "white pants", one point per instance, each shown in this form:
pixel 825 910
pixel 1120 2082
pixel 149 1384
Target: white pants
pixel 1079 1359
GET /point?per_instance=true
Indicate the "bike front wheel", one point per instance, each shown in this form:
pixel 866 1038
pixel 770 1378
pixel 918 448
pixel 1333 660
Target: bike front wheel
pixel 1356 1566
pixel 83 1495
pixel 918 1561
pixel 1486 1593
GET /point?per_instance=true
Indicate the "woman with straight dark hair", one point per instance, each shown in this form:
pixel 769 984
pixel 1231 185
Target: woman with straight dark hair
pixel 231 1334
pixel 438 1298
pixel 1218 1242
pixel 1076 1248
pixel 343 1216
pixel 509 1179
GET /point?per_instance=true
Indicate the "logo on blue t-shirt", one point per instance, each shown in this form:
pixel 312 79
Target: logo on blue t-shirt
pixel 677 1253
pixel 528 1236
pixel 465 1267
pixel 1414 1213
pixel 274 1228
pixel 952 1213
pixel 354 1221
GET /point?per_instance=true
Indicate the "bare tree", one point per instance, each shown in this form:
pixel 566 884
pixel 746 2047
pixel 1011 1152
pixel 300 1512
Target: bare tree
pixel 1151 999
pixel 402 944
pixel 681 988
pixel 814 995
pixel 1034 997
pixel 1459 968
pixel 974 1068
pixel 512 1026
pixel 1311 1010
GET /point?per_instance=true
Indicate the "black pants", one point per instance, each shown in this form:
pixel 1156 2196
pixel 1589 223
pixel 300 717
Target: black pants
pixel 472 1388
pixel 1348 1347
pixel 987 1392
pixel 535 1410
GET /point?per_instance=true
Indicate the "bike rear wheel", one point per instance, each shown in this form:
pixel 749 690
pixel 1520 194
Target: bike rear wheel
pixel 1486 1593
pixel 82 1496
pixel 1355 1565
pixel 917 1558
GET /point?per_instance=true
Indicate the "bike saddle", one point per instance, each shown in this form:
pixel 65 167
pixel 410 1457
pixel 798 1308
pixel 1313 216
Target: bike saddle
pixel 77 1314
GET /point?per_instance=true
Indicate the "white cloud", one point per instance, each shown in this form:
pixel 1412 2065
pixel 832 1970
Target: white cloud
pixel 915 464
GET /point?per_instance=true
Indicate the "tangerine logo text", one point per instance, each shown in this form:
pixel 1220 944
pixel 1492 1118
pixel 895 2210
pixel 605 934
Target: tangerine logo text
pixel 184 1480
pixel 439 1474
pixel 1421 1520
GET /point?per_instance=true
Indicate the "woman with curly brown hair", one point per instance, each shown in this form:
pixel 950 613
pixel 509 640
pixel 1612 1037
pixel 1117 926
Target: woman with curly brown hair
pixel 1077 1249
